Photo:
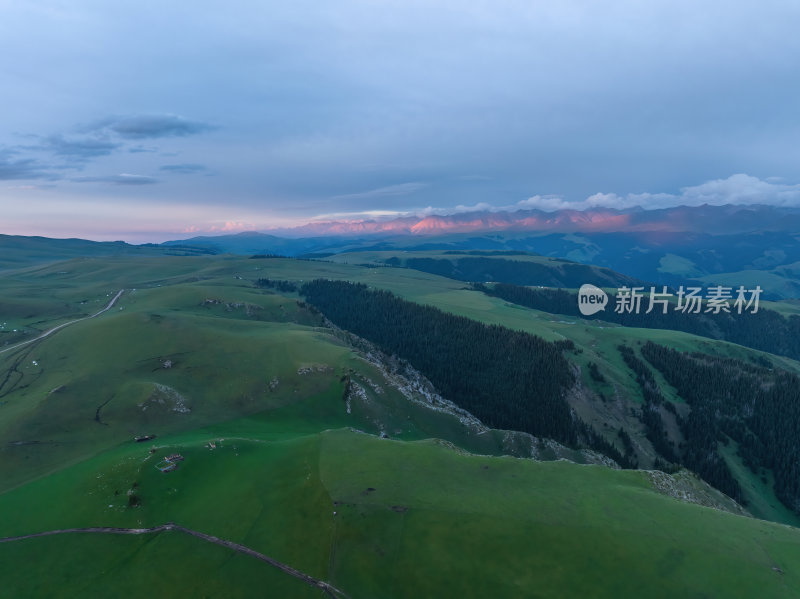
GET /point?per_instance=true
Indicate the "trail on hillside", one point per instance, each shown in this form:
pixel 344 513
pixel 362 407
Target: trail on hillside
pixel 66 324
pixel 328 588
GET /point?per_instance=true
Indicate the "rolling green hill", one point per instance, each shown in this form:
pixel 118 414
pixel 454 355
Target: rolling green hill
pixel 520 268
pixel 279 419
pixel 18 251
pixel 381 518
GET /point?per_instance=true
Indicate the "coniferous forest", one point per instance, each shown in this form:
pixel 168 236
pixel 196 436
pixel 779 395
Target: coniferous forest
pixel 765 330
pixel 514 380
pixel 556 273
pixel 509 379
pixel 653 401
pixel 757 407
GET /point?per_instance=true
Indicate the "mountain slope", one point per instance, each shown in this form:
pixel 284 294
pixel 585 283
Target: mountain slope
pixel 517 267
pixel 385 518
pixel 20 252
pixel 267 404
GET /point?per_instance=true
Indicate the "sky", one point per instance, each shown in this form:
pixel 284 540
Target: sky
pixel 148 121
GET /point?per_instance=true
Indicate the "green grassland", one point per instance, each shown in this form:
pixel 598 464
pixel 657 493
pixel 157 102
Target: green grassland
pixel 781 282
pixel 380 257
pixel 92 280
pixel 521 268
pixel 382 518
pixel 678 265
pixel 786 307
pixel 255 373
pixel 20 252
pixel 232 350
pixel 758 491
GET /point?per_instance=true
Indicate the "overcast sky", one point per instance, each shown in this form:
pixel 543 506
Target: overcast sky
pixel 152 120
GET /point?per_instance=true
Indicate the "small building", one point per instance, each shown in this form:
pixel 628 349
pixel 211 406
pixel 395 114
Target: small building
pixel 170 462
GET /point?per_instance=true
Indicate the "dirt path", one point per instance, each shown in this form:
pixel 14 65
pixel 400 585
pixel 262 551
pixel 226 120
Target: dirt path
pixel 329 589
pixel 66 324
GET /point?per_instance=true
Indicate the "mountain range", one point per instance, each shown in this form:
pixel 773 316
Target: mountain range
pixel 729 245
pixel 725 219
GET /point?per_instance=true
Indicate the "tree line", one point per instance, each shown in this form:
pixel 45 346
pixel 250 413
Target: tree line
pixel 553 273
pixel 655 430
pixel 766 330
pixel 508 379
pixel 284 286
pixel 757 407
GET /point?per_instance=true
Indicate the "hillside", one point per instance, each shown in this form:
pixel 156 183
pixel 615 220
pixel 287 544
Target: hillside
pixel 515 267
pixel 280 417
pixel 19 252
pixel 382 518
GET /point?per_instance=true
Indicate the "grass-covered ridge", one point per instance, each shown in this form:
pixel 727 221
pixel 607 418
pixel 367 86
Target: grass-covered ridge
pixel 433 511
pixel 382 518
pixel 516 267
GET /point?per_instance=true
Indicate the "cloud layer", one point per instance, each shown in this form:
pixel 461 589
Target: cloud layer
pixel 739 189
pixel 25 169
pixel 185 169
pixel 52 156
pixel 151 126
pixel 121 179
pixel 303 109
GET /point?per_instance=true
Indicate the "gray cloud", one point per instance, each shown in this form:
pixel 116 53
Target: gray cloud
pixel 79 147
pixel 142 150
pixel 121 179
pixel 401 189
pixel 184 169
pixel 100 139
pixel 21 168
pixel 151 126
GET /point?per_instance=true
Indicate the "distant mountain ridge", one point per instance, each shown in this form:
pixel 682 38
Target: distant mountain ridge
pixel 727 219
pixel 18 251
pixel 730 245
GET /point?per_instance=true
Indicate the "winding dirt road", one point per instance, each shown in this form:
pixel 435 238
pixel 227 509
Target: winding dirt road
pixel 328 588
pixel 66 324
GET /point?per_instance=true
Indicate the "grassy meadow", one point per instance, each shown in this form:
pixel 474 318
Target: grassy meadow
pixel 252 390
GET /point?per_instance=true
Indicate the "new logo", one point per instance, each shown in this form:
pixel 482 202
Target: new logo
pixel 591 299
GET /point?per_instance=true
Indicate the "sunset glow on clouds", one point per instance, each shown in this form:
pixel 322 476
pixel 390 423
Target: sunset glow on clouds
pixel 149 121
